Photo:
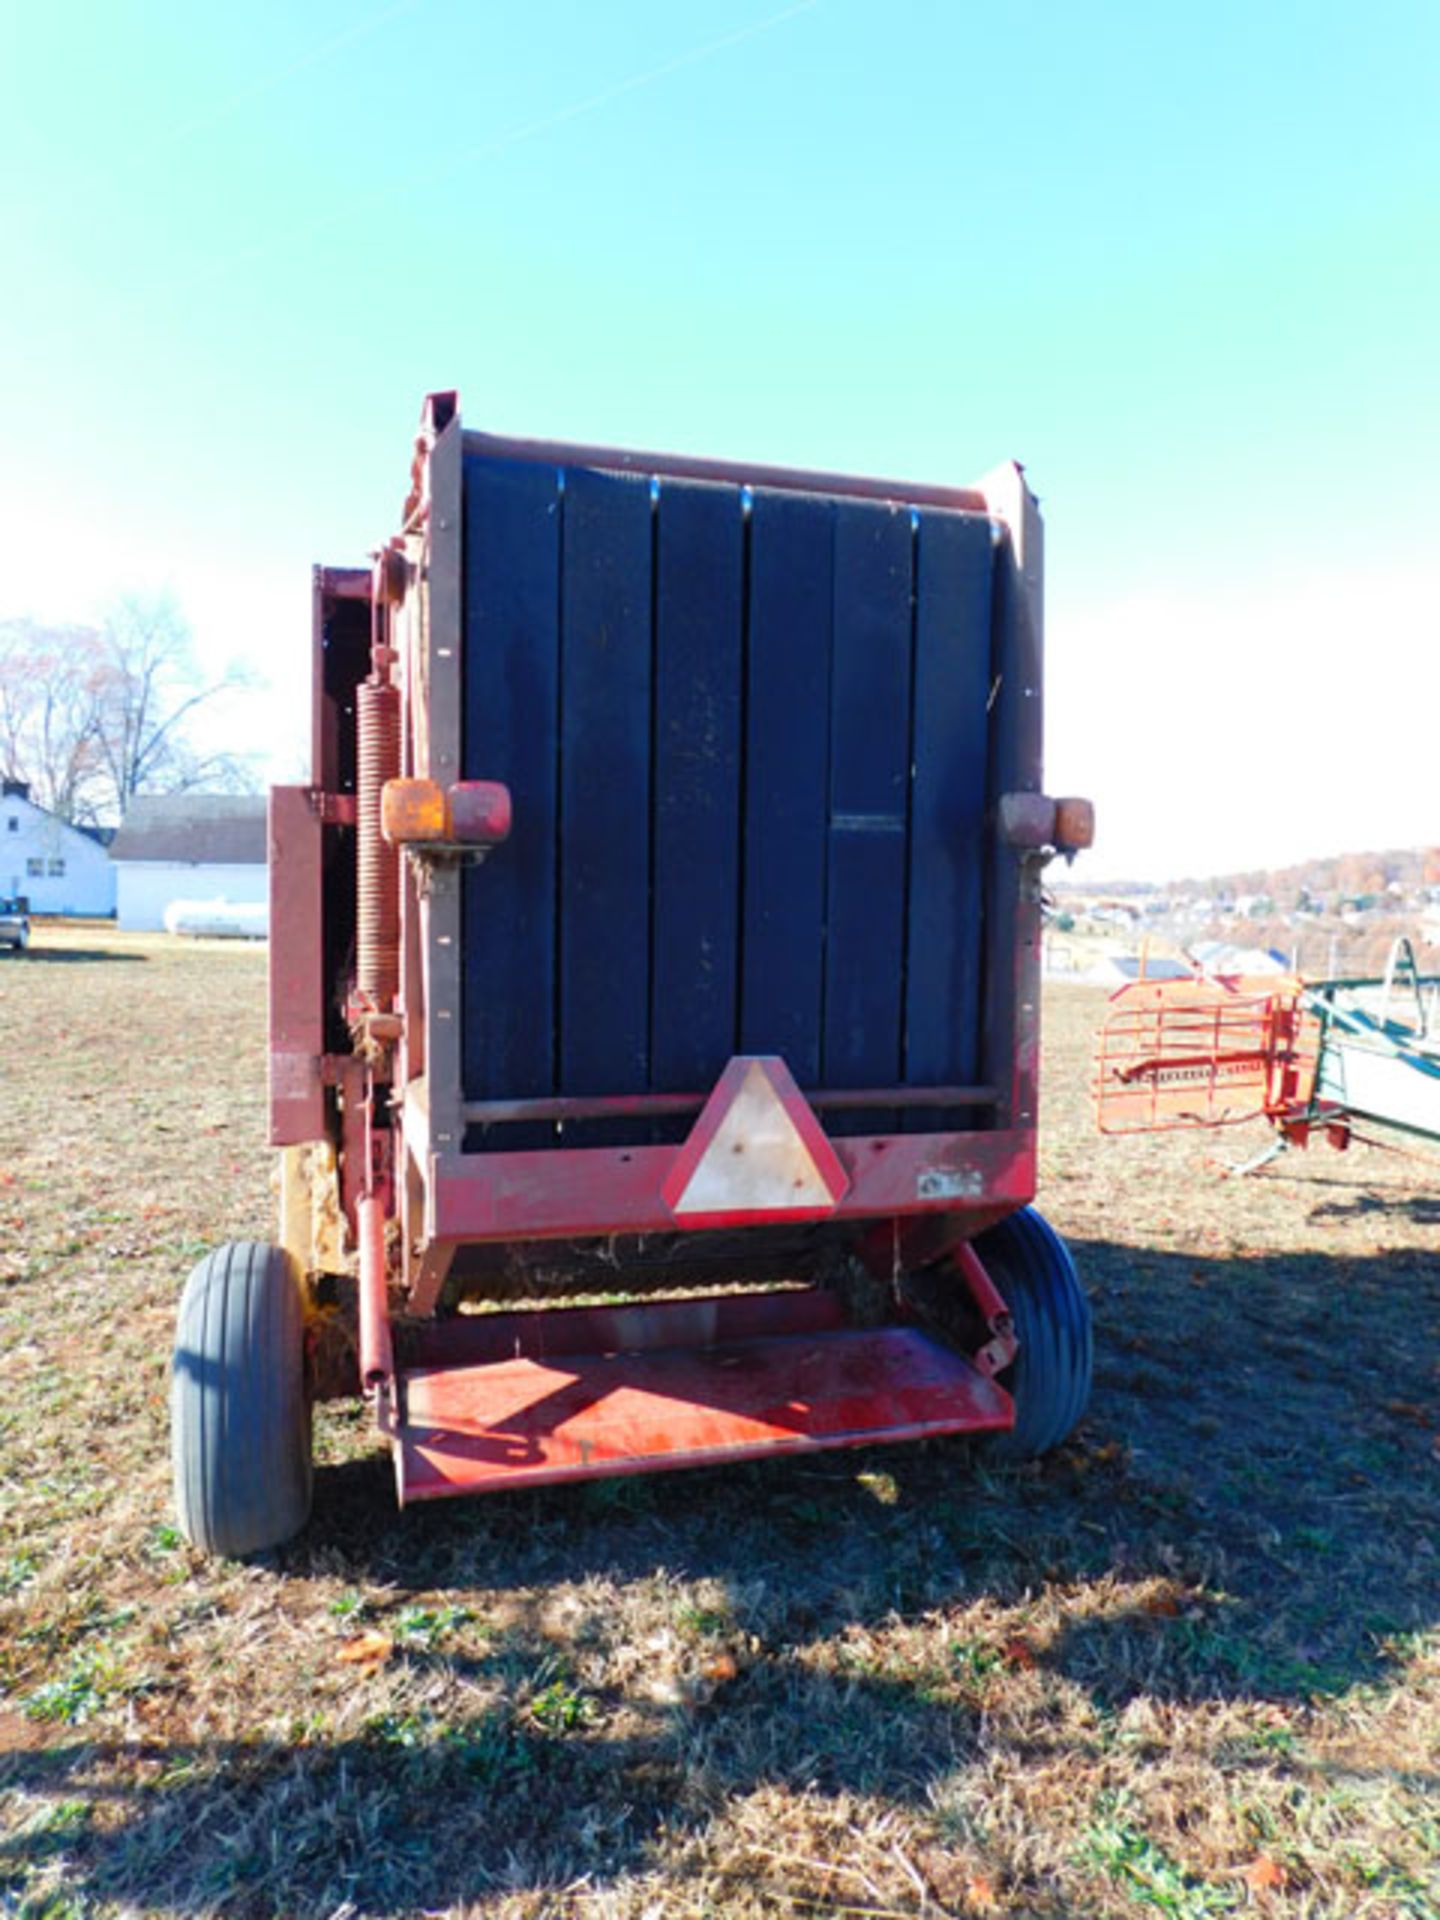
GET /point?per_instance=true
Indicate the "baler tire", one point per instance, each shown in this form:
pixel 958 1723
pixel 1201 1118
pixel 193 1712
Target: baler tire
pixel 239 1404
pixel 1049 1378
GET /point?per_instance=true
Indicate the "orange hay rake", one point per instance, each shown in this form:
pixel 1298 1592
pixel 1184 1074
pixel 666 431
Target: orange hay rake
pixel 1200 1052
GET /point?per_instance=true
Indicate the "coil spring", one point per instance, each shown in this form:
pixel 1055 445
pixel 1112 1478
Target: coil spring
pixel 377 713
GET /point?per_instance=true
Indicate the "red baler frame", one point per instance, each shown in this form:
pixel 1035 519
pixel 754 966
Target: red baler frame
pixel 374 1110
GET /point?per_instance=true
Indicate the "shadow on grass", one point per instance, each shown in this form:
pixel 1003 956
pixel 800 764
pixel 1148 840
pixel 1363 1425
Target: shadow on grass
pixel 1421 1208
pixel 1261 1429
pixel 416 1814
pixel 1259 1452
pixel 65 956
pixel 1262 1439
pixel 1272 1414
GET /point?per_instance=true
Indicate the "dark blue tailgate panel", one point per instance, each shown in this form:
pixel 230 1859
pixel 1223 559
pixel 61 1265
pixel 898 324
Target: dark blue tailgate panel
pixel 746 737
pixel 869 761
pixel 699 628
pixel 787 768
pixel 606 676
pixel 512 657
pixel 947 802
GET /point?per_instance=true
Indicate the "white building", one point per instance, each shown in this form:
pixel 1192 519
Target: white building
pixel 1223 959
pixel 188 846
pixel 57 868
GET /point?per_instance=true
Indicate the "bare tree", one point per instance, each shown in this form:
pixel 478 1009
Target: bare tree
pixel 91 718
pixel 150 693
pixel 50 693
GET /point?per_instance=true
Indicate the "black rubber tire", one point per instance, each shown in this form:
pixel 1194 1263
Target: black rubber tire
pixel 1049 1378
pixel 239 1408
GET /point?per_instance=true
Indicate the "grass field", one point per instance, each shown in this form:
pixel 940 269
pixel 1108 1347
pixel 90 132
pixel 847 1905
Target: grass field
pixel 1189 1666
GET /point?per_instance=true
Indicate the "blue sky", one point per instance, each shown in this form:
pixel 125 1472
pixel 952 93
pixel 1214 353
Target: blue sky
pixel 1181 262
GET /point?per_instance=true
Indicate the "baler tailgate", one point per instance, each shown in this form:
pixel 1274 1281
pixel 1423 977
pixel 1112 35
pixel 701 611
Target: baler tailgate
pixel 747 735
pixel 531 1420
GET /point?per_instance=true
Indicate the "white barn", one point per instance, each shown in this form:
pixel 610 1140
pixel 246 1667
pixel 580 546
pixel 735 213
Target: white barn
pixel 188 846
pixel 57 868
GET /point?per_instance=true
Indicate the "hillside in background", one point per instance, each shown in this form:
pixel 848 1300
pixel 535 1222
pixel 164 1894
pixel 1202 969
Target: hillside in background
pixel 1333 915
pixel 1329 878
pixel 1349 874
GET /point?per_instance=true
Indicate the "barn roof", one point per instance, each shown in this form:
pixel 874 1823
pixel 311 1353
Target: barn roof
pixel 209 829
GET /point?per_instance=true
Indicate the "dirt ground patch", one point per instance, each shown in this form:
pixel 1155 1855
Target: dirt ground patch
pixel 1188 1666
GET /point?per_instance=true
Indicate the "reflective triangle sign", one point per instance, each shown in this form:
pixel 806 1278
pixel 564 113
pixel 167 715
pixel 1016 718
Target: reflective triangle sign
pixel 757 1152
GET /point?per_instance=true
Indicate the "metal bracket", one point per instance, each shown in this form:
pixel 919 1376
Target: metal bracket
pixel 1002 1346
pixel 335 809
pixel 426 860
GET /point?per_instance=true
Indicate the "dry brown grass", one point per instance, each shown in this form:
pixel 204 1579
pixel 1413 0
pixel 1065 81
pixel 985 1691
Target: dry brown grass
pixel 1189 1666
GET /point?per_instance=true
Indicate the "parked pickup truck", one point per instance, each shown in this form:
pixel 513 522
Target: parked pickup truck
pixel 14 926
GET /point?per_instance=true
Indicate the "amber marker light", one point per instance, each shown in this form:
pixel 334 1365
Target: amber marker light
pixel 414 812
pixel 1074 824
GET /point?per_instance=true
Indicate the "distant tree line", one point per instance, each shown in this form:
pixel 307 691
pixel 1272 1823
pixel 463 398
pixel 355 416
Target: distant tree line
pixel 92 716
pixel 1352 875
